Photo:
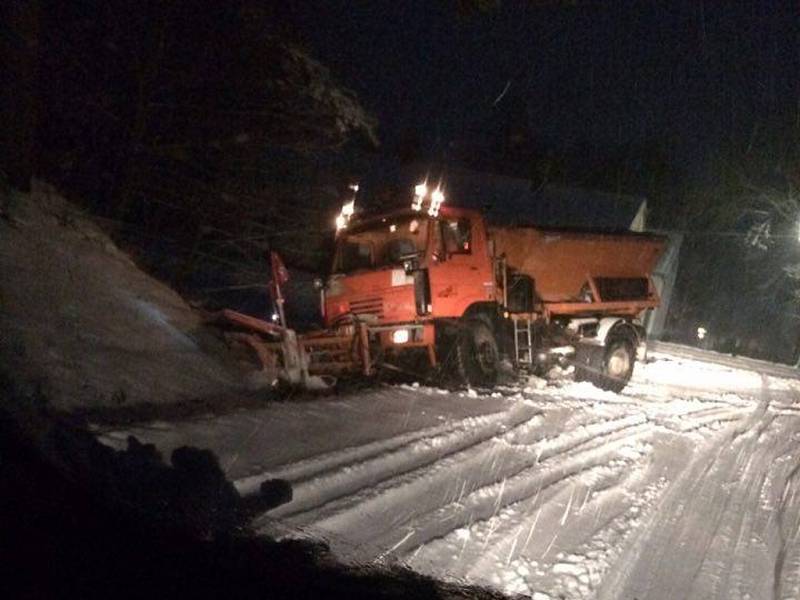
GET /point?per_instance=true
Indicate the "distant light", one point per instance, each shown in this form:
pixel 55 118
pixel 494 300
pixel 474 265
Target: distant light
pixel 353 186
pixel 275 317
pixel 341 222
pixel 392 227
pixel 701 333
pixel 400 336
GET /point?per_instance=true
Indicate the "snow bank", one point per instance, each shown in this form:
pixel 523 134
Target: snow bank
pixel 82 324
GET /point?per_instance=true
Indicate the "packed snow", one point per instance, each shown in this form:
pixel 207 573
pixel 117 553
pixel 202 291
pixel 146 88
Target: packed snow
pixel 683 486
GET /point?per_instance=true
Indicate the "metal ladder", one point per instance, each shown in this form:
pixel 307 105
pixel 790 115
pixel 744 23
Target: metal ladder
pixel 523 340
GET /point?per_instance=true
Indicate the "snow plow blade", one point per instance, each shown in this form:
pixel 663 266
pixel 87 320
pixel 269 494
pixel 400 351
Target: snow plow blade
pixel 312 360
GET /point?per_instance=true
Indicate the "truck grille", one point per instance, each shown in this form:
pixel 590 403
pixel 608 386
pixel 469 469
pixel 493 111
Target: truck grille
pixel 368 306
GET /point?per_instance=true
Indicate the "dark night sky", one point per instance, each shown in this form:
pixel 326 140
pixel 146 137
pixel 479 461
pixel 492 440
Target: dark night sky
pixel 594 75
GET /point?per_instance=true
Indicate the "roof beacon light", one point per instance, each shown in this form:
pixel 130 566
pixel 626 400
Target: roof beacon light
pixel 348 209
pixel 437 199
pixel 420 191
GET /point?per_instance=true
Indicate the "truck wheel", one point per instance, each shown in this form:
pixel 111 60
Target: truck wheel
pixel 611 369
pixel 477 356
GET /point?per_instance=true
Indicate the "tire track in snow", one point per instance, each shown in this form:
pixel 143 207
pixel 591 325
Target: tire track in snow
pixel 485 502
pixel 577 573
pixel 486 546
pixel 719 513
pixel 786 577
pixel 502 559
pixel 381 517
pixel 596 501
pixel 416 455
pixel 330 461
pixel 700 419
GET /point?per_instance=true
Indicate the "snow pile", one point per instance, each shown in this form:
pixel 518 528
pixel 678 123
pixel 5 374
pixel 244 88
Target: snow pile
pixel 673 371
pixel 82 324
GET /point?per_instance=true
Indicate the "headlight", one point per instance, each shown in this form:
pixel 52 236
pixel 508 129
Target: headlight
pixel 400 336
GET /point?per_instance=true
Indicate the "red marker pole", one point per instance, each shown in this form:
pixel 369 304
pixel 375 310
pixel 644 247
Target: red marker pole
pixel 280 275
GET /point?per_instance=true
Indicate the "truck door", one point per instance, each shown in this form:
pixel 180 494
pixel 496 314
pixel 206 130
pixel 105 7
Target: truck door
pixel 460 269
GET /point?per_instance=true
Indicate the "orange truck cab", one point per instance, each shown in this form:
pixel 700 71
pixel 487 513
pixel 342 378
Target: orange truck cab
pixel 475 299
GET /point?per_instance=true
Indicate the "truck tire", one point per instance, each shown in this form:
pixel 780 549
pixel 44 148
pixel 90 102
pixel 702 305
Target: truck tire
pixel 611 369
pixel 477 355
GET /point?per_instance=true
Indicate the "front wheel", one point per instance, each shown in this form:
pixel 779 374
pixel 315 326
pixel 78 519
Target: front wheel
pixel 477 355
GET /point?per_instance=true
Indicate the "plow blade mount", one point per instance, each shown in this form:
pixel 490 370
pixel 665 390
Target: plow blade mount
pixel 297 359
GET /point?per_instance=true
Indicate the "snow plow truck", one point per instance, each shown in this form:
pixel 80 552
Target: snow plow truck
pixel 438 285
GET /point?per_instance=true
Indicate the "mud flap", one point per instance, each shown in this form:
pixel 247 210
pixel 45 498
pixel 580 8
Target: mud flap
pixel 641 351
pixel 294 362
pixel 588 357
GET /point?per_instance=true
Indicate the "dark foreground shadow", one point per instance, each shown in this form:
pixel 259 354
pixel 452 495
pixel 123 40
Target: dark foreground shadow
pixel 80 520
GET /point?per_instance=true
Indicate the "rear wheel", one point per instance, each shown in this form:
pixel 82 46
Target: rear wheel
pixel 477 355
pixel 610 369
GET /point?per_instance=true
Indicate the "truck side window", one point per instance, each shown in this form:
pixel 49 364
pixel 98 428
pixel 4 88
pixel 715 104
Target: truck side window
pixel 355 255
pixel 457 235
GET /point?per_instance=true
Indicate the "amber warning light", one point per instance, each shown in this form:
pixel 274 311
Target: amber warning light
pixel 348 208
pixel 421 193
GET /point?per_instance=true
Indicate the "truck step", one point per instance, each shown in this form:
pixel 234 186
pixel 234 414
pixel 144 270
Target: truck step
pixel 523 341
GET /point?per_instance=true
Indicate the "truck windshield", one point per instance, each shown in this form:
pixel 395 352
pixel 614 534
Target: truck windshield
pixel 383 243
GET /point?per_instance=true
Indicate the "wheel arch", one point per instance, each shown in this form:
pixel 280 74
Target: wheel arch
pixel 486 311
pixel 610 327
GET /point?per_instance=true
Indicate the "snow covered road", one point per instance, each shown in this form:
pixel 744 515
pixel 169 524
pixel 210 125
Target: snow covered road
pixel 683 486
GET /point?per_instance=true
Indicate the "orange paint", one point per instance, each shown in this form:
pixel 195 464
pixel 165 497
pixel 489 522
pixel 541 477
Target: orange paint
pixel 461 259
